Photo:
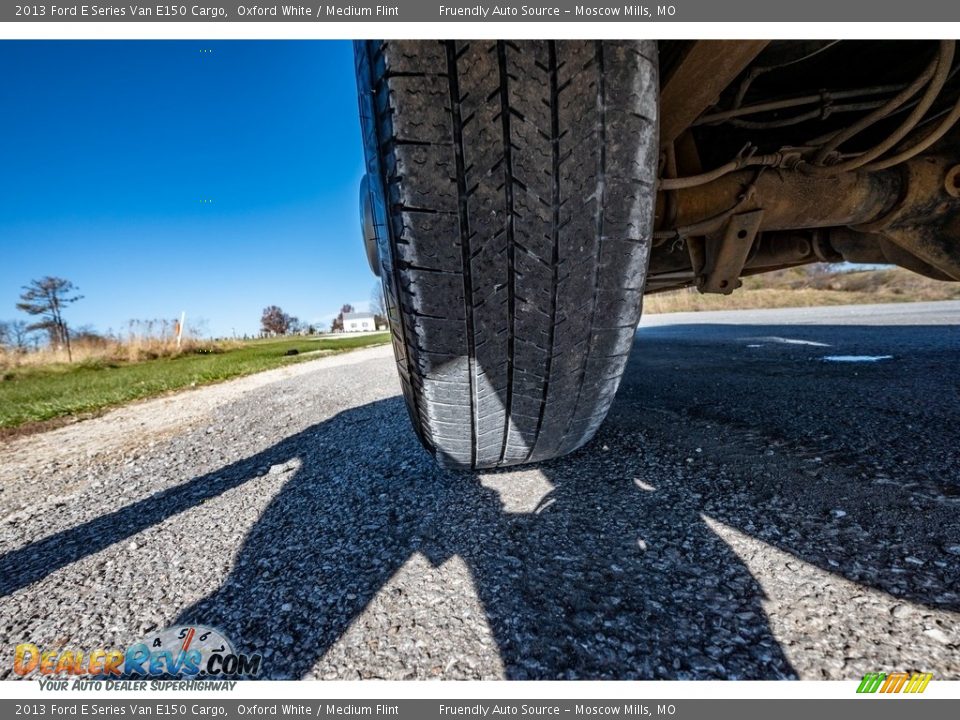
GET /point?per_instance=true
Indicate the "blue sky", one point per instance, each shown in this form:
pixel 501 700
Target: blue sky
pixel 109 150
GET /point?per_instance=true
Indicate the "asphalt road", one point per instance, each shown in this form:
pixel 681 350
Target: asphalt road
pixel 749 510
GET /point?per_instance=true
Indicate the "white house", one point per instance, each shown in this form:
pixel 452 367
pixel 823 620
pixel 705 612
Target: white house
pixel 359 322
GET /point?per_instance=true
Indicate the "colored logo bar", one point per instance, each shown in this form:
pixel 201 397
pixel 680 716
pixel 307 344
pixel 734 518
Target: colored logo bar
pixel 897 682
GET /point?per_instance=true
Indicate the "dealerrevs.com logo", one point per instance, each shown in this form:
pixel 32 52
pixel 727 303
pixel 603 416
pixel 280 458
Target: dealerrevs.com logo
pixel 190 651
pixel 897 682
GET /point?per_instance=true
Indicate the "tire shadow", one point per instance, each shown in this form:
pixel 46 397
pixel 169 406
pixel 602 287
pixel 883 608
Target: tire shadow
pixel 602 580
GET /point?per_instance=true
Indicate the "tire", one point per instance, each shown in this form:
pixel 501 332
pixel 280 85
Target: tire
pixel 512 186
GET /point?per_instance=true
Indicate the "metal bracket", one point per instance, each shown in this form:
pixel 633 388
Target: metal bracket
pixel 727 255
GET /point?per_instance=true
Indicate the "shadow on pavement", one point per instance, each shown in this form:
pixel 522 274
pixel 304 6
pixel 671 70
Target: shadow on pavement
pixel 568 591
pixel 790 441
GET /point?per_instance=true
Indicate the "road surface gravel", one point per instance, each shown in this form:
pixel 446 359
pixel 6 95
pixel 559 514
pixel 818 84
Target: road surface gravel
pixel 748 510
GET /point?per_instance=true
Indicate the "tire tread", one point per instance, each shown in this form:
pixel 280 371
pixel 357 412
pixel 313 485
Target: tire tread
pixel 518 181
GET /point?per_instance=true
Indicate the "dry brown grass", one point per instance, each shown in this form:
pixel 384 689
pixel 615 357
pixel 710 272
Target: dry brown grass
pixel 143 340
pixel 112 350
pixel 802 288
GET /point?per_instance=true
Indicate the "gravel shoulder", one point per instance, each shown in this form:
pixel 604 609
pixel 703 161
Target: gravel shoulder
pixel 748 510
pixel 131 428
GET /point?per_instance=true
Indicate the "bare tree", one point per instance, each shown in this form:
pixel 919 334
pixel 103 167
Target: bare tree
pixel 47 298
pixel 198 327
pixel 337 324
pixel 275 321
pixel 378 305
pixel 14 334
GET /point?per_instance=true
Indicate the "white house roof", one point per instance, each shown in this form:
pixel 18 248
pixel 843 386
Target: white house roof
pixel 358 316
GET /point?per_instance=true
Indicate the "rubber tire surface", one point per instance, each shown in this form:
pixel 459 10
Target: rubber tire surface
pixel 513 190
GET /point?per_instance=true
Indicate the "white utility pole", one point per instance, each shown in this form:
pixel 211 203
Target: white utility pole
pixel 183 319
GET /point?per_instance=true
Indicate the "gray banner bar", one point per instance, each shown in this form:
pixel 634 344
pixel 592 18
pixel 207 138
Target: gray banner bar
pixel 464 10
pixel 874 708
pixel 184 707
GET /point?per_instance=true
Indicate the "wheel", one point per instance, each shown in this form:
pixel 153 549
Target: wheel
pixel 511 187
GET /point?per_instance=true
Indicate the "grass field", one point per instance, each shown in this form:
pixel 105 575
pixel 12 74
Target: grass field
pixel 799 288
pixel 39 389
pixel 38 393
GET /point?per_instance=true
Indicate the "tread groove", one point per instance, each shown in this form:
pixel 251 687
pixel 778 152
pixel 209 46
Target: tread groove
pixel 505 116
pixel 552 71
pixel 464 226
